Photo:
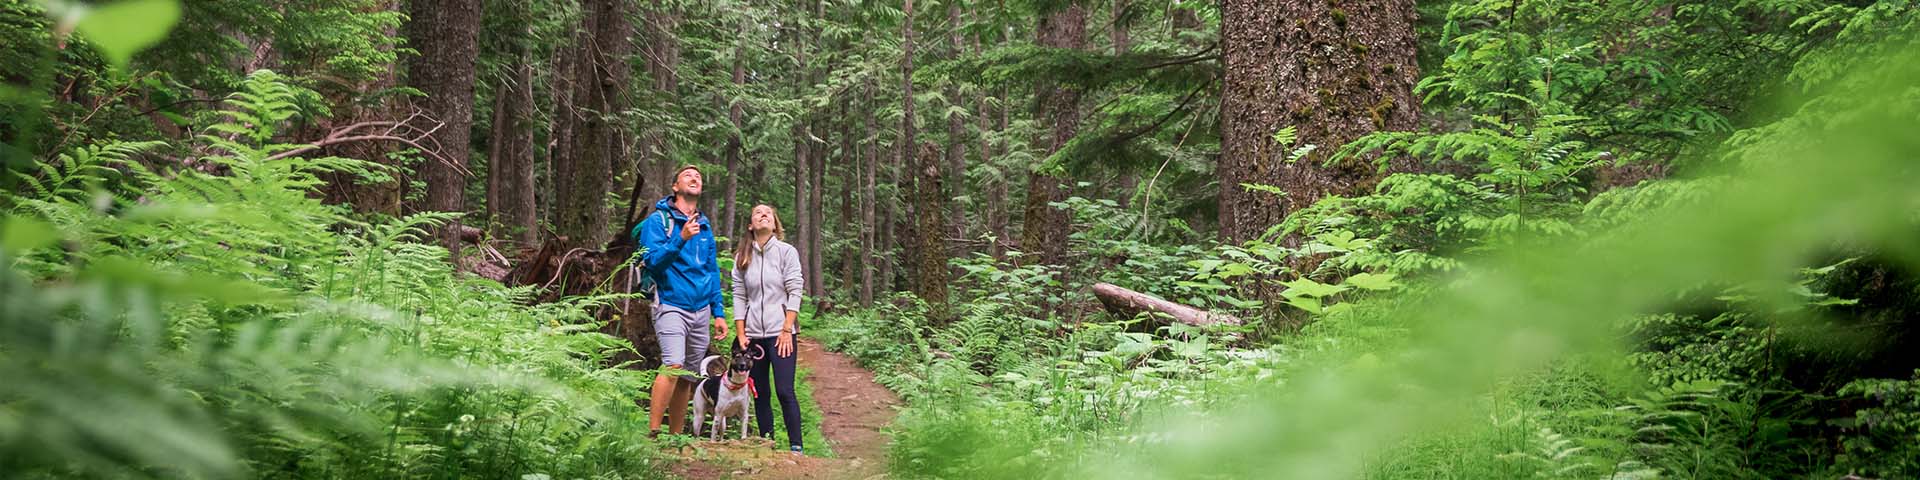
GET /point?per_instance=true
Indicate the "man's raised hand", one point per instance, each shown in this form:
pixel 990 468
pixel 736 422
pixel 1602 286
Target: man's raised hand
pixel 691 228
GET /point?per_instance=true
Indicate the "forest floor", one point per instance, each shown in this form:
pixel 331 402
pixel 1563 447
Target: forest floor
pixel 854 409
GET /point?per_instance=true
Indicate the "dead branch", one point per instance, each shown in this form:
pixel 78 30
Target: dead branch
pixel 404 132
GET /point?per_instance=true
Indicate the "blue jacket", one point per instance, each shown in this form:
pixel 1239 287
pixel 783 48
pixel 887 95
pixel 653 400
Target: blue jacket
pixel 687 271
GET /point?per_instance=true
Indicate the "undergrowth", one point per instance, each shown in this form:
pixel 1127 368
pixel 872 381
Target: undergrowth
pixel 167 321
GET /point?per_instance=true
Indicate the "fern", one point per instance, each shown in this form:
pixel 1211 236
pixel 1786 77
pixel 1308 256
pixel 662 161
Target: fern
pixel 227 324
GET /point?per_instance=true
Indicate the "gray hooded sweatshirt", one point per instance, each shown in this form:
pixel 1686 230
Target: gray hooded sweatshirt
pixel 768 288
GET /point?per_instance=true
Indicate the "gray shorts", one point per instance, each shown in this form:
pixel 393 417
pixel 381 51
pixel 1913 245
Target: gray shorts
pixel 683 334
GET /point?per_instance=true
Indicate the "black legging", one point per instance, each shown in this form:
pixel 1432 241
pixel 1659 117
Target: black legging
pixel 783 378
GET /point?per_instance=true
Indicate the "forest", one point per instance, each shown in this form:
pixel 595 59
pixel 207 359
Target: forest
pixel 1379 239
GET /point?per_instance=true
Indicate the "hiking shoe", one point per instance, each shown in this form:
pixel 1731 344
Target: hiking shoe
pixel 796 450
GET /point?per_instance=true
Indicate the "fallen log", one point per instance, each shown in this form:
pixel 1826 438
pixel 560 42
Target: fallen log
pixel 1126 302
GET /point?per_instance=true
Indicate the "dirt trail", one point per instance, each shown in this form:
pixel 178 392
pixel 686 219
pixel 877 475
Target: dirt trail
pixel 854 410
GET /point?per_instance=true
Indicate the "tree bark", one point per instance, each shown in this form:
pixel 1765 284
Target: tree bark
pixel 817 247
pixel 446 35
pixel 849 171
pixel 735 110
pixel 888 255
pixel 563 86
pixel 1043 227
pixel 930 273
pixel 601 75
pixel 869 234
pixel 510 168
pixel 802 209
pixel 909 143
pixel 1124 302
pixel 956 135
pixel 803 163
pixel 1334 73
pixel 662 60
pixel 1120 35
pixel 997 192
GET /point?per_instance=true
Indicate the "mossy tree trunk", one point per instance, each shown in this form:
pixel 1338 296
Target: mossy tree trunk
pixel 1333 69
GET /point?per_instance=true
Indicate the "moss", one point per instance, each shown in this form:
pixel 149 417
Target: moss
pixel 1379 112
pixel 1339 18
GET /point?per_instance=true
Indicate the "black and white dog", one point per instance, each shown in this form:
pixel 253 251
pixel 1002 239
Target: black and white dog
pixel 727 394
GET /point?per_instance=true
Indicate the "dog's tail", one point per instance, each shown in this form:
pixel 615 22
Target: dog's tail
pixel 706 364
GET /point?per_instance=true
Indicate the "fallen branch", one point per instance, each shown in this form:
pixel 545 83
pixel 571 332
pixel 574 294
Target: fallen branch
pixel 402 132
pixel 1122 301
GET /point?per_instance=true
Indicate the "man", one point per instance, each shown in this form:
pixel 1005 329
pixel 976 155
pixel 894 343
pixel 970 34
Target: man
pixel 684 262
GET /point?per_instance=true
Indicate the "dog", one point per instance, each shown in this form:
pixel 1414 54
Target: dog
pixel 728 394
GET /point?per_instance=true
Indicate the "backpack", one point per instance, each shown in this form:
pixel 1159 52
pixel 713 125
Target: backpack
pixel 637 277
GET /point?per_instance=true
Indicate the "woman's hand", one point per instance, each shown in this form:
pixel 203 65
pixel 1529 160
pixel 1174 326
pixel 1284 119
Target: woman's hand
pixel 741 339
pixel 785 344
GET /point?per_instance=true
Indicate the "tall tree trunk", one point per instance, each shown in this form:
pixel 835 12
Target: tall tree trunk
pixel 999 191
pixel 869 231
pixel 849 171
pixel 602 76
pixel 993 201
pixel 816 257
pixel 1335 74
pixel 662 60
pixel 496 131
pixel 817 275
pixel 1043 227
pixel 956 133
pixel 1122 39
pixel 803 162
pixel 566 116
pixel 930 275
pixel 759 170
pixel 889 256
pixel 446 34
pixel 735 110
pixel 802 209
pixel 909 144
pixel 510 171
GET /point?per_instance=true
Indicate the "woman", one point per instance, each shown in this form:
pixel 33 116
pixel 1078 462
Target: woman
pixel 766 302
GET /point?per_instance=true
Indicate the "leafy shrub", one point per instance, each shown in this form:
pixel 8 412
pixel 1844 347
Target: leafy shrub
pixel 169 322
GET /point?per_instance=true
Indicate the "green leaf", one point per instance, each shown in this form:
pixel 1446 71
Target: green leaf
pixel 1234 269
pixel 1308 287
pixel 1190 348
pixel 1285 136
pixel 1133 343
pixel 1310 304
pixel 20 234
pixel 1372 281
pixel 1260 187
pixel 123 28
